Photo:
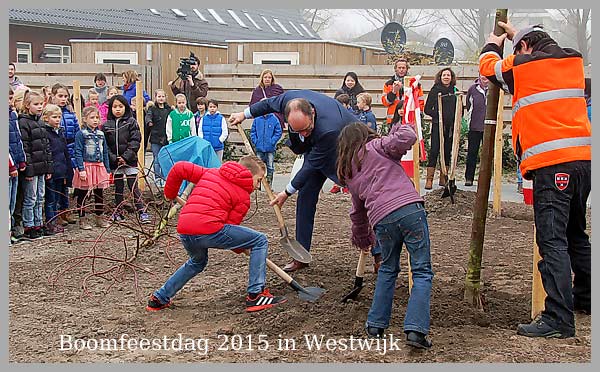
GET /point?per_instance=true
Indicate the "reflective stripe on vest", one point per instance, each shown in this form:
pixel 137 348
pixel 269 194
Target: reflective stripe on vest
pixel 546 96
pixel 490 52
pixel 498 72
pixel 556 145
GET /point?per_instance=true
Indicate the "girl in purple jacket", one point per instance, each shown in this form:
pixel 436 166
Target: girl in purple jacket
pixel 386 207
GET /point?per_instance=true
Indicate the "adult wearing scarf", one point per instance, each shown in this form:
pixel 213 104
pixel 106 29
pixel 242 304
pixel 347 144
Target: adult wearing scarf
pixel 267 88
pixel 351 86
pixel 445 83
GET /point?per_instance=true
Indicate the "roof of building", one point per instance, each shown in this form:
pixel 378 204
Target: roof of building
pixel 192 25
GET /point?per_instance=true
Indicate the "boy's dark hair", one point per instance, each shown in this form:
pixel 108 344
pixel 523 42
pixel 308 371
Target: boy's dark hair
pixel 343 98
pixel 351 149
pixel 253 163
pixel 99 76
pixel 121 99
pixel 202 101
pixel 213 101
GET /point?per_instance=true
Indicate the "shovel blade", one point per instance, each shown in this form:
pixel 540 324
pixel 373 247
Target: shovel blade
pixel 449 190
pixel 295 249
pixel 311 294
pixel 358 286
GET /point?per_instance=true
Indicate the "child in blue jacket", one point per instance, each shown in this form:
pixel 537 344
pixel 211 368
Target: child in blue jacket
pixel 16 153
pixel 265 133
pixel 365 115
pixel 213 128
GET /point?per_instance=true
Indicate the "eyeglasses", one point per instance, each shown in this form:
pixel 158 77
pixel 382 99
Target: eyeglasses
pixel 308 127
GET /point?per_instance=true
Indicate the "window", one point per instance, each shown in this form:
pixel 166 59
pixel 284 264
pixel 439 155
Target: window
pixel 296 28
pixel 282 26
pixel 251 20
pixel 56 53
pixel 275 58
pixel 216 16
pixel 270 25
pixel 128 58
pixel 155 12
pixel 237 19
pixel 306 29
pixel 200 15
pixel 23 52
pixel 178 13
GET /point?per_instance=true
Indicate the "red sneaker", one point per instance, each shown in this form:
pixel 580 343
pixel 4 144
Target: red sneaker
pixel 335 189
pixel 345 190
pixel 264 300
pixel 154 304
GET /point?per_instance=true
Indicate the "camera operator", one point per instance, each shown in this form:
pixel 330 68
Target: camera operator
pixel 192 84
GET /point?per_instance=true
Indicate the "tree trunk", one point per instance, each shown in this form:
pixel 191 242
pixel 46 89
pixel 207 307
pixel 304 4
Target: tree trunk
pixel 473 279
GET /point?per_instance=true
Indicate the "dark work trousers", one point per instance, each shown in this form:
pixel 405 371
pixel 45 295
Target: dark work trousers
pixel 475 138
pixel 133 188
pixel 564 246
pixel 306 206
pixel 18 213
pixel 434 148
pixel 84 195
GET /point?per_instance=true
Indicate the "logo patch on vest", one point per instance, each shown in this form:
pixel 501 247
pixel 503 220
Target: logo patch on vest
pixel 561 180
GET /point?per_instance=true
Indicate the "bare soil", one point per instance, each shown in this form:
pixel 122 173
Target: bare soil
pixel 211 306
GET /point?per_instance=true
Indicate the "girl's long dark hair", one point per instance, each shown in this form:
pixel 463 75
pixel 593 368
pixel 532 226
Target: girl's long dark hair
pixel 123 100
pixel 351 149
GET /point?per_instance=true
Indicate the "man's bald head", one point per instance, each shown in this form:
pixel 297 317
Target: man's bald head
pixel 299 115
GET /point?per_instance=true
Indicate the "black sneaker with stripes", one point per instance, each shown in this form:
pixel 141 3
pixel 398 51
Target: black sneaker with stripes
pixel 264 300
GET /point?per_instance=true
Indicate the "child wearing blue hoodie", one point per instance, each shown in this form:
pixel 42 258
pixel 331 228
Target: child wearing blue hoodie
pixel 265 133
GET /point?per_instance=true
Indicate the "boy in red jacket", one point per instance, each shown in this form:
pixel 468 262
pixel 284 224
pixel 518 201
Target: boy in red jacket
pixel 210 219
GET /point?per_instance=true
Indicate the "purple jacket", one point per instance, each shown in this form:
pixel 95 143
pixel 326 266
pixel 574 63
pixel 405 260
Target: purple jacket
pixel 271 91
pixel 476 99
pixel 381 186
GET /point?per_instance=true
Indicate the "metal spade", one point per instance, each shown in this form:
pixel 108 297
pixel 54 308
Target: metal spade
pixel 358 280
pixel 450 188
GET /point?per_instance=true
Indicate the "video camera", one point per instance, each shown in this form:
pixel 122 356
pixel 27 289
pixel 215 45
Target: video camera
pixel 185 66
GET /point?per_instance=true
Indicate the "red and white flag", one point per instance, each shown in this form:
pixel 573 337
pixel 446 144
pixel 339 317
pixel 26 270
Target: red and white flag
pixel 412 111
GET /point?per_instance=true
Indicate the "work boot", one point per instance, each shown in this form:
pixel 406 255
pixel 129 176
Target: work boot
pixel 101 222
pixel 374 332
pixel 84 223
pixel 417 340
pixel 429 179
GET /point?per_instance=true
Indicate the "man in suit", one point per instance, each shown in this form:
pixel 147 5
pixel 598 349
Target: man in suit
pixel 314 120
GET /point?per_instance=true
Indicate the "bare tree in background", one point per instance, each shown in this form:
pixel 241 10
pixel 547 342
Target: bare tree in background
pixel 471 26
pixel 318 19
pixel 408 18
pixel 576 22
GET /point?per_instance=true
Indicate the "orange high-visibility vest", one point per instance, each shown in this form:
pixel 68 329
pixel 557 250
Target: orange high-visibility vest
pixel 392 105
pixel 549 124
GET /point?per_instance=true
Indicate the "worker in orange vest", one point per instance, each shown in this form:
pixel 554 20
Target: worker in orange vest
pixel 393 90
pixel 552 138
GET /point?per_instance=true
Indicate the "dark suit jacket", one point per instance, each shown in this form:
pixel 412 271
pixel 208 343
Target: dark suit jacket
pixel 320 148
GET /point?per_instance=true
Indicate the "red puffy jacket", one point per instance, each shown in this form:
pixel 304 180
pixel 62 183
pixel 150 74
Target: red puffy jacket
pixel 221 196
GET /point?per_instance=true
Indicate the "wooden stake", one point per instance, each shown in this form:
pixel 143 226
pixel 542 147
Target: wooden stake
pixel 139 113
pixel 538 294
pixel 497 205
pixel 416 181
pixel 77 100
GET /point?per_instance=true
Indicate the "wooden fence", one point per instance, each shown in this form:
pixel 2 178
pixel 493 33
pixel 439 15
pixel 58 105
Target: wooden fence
pixel 38 75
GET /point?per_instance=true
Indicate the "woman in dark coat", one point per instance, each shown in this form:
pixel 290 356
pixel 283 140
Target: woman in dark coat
pixel 445 83
pixel 267 88
pixel 351 86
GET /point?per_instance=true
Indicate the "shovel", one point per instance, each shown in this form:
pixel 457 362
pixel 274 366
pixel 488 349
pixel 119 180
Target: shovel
pixel 310 294
pixel 451 184
pixel 358 280
pixel 443 169
pixel 290 245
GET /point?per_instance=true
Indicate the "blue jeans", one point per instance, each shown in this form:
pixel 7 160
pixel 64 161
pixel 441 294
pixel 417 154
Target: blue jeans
pixel 268 158
pixel 56 191
pixel 519 175
pixel 33 201
pixel 13 184
pixel 229 237
pixel 157 170
pixel 408 225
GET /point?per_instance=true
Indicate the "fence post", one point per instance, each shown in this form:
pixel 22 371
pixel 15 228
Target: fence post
pixel 538 294
pixel 77 100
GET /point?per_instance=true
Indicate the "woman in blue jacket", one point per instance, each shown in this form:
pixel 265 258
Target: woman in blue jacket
pixel 265 133
pixel 129 81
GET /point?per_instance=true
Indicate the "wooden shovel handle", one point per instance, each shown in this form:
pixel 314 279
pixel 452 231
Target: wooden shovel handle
pixel 456 134
pixel 280 273
pixel 441 131
pixel 265 183
pixel 362 261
